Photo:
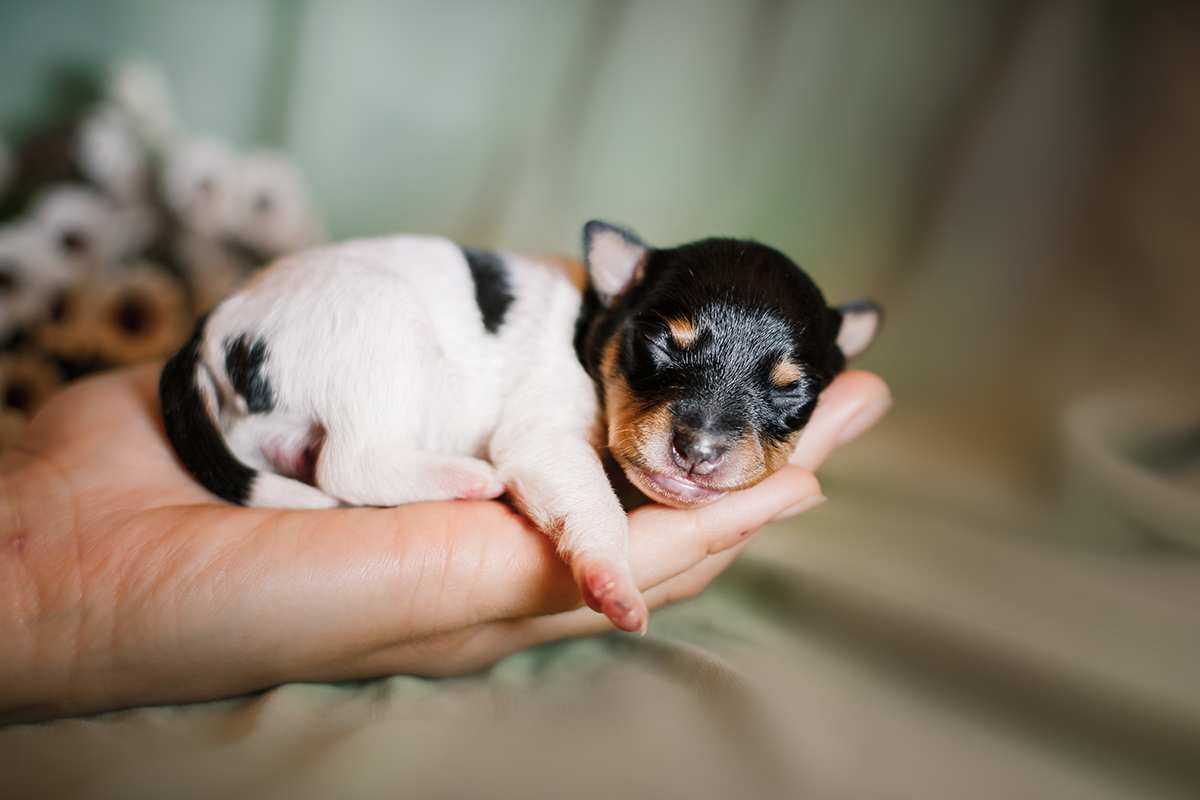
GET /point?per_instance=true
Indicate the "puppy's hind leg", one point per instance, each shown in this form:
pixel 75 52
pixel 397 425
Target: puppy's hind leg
pixel 372 474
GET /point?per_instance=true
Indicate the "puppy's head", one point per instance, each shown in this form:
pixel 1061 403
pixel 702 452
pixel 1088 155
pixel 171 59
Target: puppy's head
pixel 710 357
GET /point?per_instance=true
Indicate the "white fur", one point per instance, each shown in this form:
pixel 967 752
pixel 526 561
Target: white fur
pixel 380 343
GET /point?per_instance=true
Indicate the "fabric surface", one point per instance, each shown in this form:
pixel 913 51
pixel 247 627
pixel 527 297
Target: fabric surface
pixel 1001 597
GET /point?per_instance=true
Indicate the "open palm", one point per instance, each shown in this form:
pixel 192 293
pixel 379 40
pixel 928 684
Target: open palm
pixel 124 582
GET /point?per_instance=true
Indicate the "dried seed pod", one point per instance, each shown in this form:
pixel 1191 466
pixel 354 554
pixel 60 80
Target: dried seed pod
pixel 69 332
pixel 26 381
pixel 140 314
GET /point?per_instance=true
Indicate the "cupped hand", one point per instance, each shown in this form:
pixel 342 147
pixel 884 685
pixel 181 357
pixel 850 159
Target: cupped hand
pixel 123 582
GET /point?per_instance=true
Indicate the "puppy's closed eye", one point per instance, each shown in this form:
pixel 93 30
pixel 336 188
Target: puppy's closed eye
pixel 656 346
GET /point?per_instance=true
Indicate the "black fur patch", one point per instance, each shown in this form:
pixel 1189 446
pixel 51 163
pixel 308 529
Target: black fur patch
pixel 244 360
pixel 192 432
pixel 492 290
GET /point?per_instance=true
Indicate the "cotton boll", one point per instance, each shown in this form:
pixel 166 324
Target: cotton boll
pixel 139 89
pixel 32 279
pixel 272 212
pixel 111 155
pixel 90 233
pixel 197 184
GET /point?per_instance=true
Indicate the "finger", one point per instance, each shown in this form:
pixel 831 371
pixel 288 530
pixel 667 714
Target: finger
pixel 527 580
pixel 666 542
pixel 518 634
pixel 471 648
pixel 691 583
pixel 854 402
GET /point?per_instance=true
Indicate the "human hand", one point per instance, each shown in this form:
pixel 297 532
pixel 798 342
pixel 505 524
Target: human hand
pixel 123 582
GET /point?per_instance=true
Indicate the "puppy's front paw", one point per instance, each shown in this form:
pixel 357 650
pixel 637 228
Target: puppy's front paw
pixel 609 589
pixel 471 479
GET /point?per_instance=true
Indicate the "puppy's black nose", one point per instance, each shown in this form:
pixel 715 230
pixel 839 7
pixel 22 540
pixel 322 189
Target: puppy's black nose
pixel 696 451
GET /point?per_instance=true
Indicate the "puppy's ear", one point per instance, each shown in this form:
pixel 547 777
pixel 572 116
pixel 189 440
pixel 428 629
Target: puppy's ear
pixel 858 322
pixel 614 258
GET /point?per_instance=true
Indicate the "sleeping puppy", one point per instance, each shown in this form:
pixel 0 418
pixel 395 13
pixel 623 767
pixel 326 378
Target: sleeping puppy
pixel 388 371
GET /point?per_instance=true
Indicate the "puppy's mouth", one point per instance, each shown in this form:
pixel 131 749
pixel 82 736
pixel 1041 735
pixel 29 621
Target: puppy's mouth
pixel 672 490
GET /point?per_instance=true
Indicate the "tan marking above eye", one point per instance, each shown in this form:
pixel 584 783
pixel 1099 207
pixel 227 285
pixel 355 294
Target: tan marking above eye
pixel 683 331
pixel 785 373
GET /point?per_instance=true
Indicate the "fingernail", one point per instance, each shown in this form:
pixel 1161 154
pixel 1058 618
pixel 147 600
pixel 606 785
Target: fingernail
pixel 807 504
pixel 867 416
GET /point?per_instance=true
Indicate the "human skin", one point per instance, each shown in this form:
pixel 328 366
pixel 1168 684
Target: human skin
pixel 123 582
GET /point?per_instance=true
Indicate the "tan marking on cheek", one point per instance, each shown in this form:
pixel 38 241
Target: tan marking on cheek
pixel 635 433
pixel 777 453
pixel 683 331
pixel 785 373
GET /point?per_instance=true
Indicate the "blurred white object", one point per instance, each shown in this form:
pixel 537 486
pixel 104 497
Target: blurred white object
pixel 271 210
pixel 31 278
pixel 110 153
pixel 139 88
pixel 89 232
pixel 196 183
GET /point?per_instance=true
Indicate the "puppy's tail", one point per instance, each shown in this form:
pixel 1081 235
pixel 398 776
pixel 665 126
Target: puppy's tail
pixel 189 407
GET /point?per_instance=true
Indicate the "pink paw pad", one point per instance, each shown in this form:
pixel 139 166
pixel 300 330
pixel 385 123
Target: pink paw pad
pixel 470 482
pixel 483 490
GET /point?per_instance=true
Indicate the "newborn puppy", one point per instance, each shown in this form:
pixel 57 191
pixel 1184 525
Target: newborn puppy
pixel 388 371
pixel 709 358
